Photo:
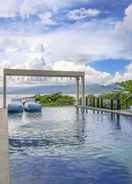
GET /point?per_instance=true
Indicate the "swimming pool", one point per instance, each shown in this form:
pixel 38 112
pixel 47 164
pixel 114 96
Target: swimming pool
pixel 58 146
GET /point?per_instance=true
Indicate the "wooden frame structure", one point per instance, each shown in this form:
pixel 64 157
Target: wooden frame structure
pixel 79 76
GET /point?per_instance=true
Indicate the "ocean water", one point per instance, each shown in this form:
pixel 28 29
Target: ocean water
pixel 59 146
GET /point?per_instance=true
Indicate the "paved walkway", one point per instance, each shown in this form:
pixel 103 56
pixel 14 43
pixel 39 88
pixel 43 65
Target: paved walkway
pixel 4 164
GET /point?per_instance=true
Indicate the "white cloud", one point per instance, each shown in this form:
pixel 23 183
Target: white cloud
pixel 12 8
pixel 127 75
pixel 82 13
pixel 92 75
pixel 31 7
pixel 68 65
pixel 129 68
pixel 47 19
pixel 19 51
pixel 95 76
pixel 25 8
pixel 33 60
pixel 91 40
pixel 8 8
pixel 126 23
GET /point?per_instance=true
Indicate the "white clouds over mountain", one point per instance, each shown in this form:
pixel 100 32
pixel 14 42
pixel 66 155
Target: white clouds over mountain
pixel 33 58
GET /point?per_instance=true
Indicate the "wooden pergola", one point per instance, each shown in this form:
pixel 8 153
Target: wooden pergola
pixel 79 76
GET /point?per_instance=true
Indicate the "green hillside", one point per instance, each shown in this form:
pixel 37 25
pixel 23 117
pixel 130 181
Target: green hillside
pixel 56 99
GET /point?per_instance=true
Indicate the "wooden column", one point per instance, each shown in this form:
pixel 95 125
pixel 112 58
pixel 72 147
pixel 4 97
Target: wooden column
pixel 4 91
pixel 93 101
pixel 118 104
pixel 111 104
pixel 86 100
pixel 77 91
pixel 83 90
pixel 101 102
pixel 98 102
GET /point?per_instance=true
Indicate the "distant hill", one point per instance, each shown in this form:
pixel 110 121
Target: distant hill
pixel 67 89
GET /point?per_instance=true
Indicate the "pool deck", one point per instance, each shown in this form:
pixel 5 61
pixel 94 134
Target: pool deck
pixel 118 112
pixel 4 161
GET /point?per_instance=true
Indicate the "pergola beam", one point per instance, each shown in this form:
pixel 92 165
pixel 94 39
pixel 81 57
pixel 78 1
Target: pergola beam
pixel 42 73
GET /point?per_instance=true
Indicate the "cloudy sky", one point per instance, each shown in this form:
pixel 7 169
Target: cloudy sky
pixel 94 36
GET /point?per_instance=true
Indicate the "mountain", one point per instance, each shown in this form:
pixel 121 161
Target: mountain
pixel 67 89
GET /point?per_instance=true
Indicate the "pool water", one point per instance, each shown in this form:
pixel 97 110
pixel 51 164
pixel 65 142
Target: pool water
pixel 59 146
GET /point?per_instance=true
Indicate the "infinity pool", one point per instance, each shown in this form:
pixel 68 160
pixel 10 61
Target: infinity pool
pixel 60 147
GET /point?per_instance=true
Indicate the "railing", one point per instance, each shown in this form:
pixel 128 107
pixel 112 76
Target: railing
pixel 99 102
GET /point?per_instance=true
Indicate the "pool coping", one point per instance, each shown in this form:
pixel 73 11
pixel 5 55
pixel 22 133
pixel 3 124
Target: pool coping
pixel 118 112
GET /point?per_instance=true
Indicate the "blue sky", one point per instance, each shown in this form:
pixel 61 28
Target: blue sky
pixel 110 65
pixel 90 35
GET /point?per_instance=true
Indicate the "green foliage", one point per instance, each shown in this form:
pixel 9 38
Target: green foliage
pixel 126 86
pixel 125 94
pixel 56 99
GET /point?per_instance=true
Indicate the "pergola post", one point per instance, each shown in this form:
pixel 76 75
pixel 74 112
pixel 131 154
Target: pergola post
pixel 77 91
pixel 83 90
pixel 4 91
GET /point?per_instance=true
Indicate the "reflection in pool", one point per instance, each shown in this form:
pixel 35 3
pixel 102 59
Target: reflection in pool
pixel 59 146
